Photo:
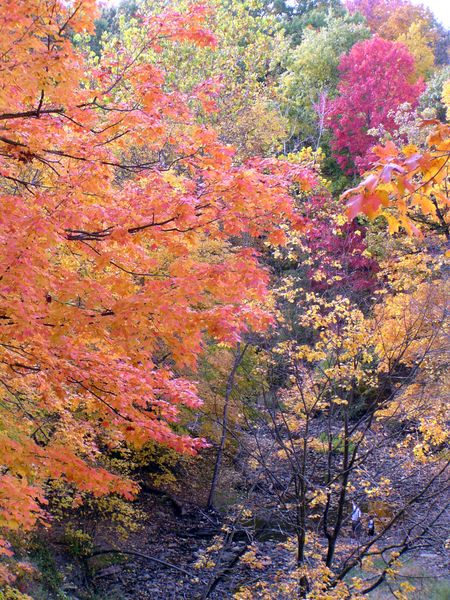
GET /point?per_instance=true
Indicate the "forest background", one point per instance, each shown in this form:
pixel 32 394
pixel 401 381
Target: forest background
pixel 224 299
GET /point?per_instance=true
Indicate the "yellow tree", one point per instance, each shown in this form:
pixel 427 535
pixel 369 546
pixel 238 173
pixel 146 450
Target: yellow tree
pixel 446 97
pixel 358 415
pixel 420 44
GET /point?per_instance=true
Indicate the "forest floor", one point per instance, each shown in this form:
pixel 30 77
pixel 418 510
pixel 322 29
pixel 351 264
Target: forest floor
pixel 179 541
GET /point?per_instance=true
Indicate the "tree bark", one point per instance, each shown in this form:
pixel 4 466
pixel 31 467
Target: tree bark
pixel 228 390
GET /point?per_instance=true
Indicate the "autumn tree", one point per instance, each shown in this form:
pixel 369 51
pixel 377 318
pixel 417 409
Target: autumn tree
pixel 361 416
pixel 141 236
pixel 312 76
pixel 402 21
pixel 390 18
pixel 237 76
pixel 418 43
pixel 354 414
pixel 330 253
pixel 408 186
pixel 446 97
pixel 110 186
pixel 375 80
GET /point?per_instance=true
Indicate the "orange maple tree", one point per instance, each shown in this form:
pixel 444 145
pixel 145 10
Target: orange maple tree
pixel 111 188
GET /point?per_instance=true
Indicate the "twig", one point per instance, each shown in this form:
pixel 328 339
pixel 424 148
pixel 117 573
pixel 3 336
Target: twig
pixel 140 555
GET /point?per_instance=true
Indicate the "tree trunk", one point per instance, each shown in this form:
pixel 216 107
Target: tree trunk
pixel 228 390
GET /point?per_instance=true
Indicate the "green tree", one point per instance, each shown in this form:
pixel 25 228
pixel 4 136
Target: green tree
pixel 240 72
pixel 312 75
pixel 298 16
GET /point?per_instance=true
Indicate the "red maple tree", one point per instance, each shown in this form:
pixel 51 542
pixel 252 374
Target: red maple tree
pixel 376 78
